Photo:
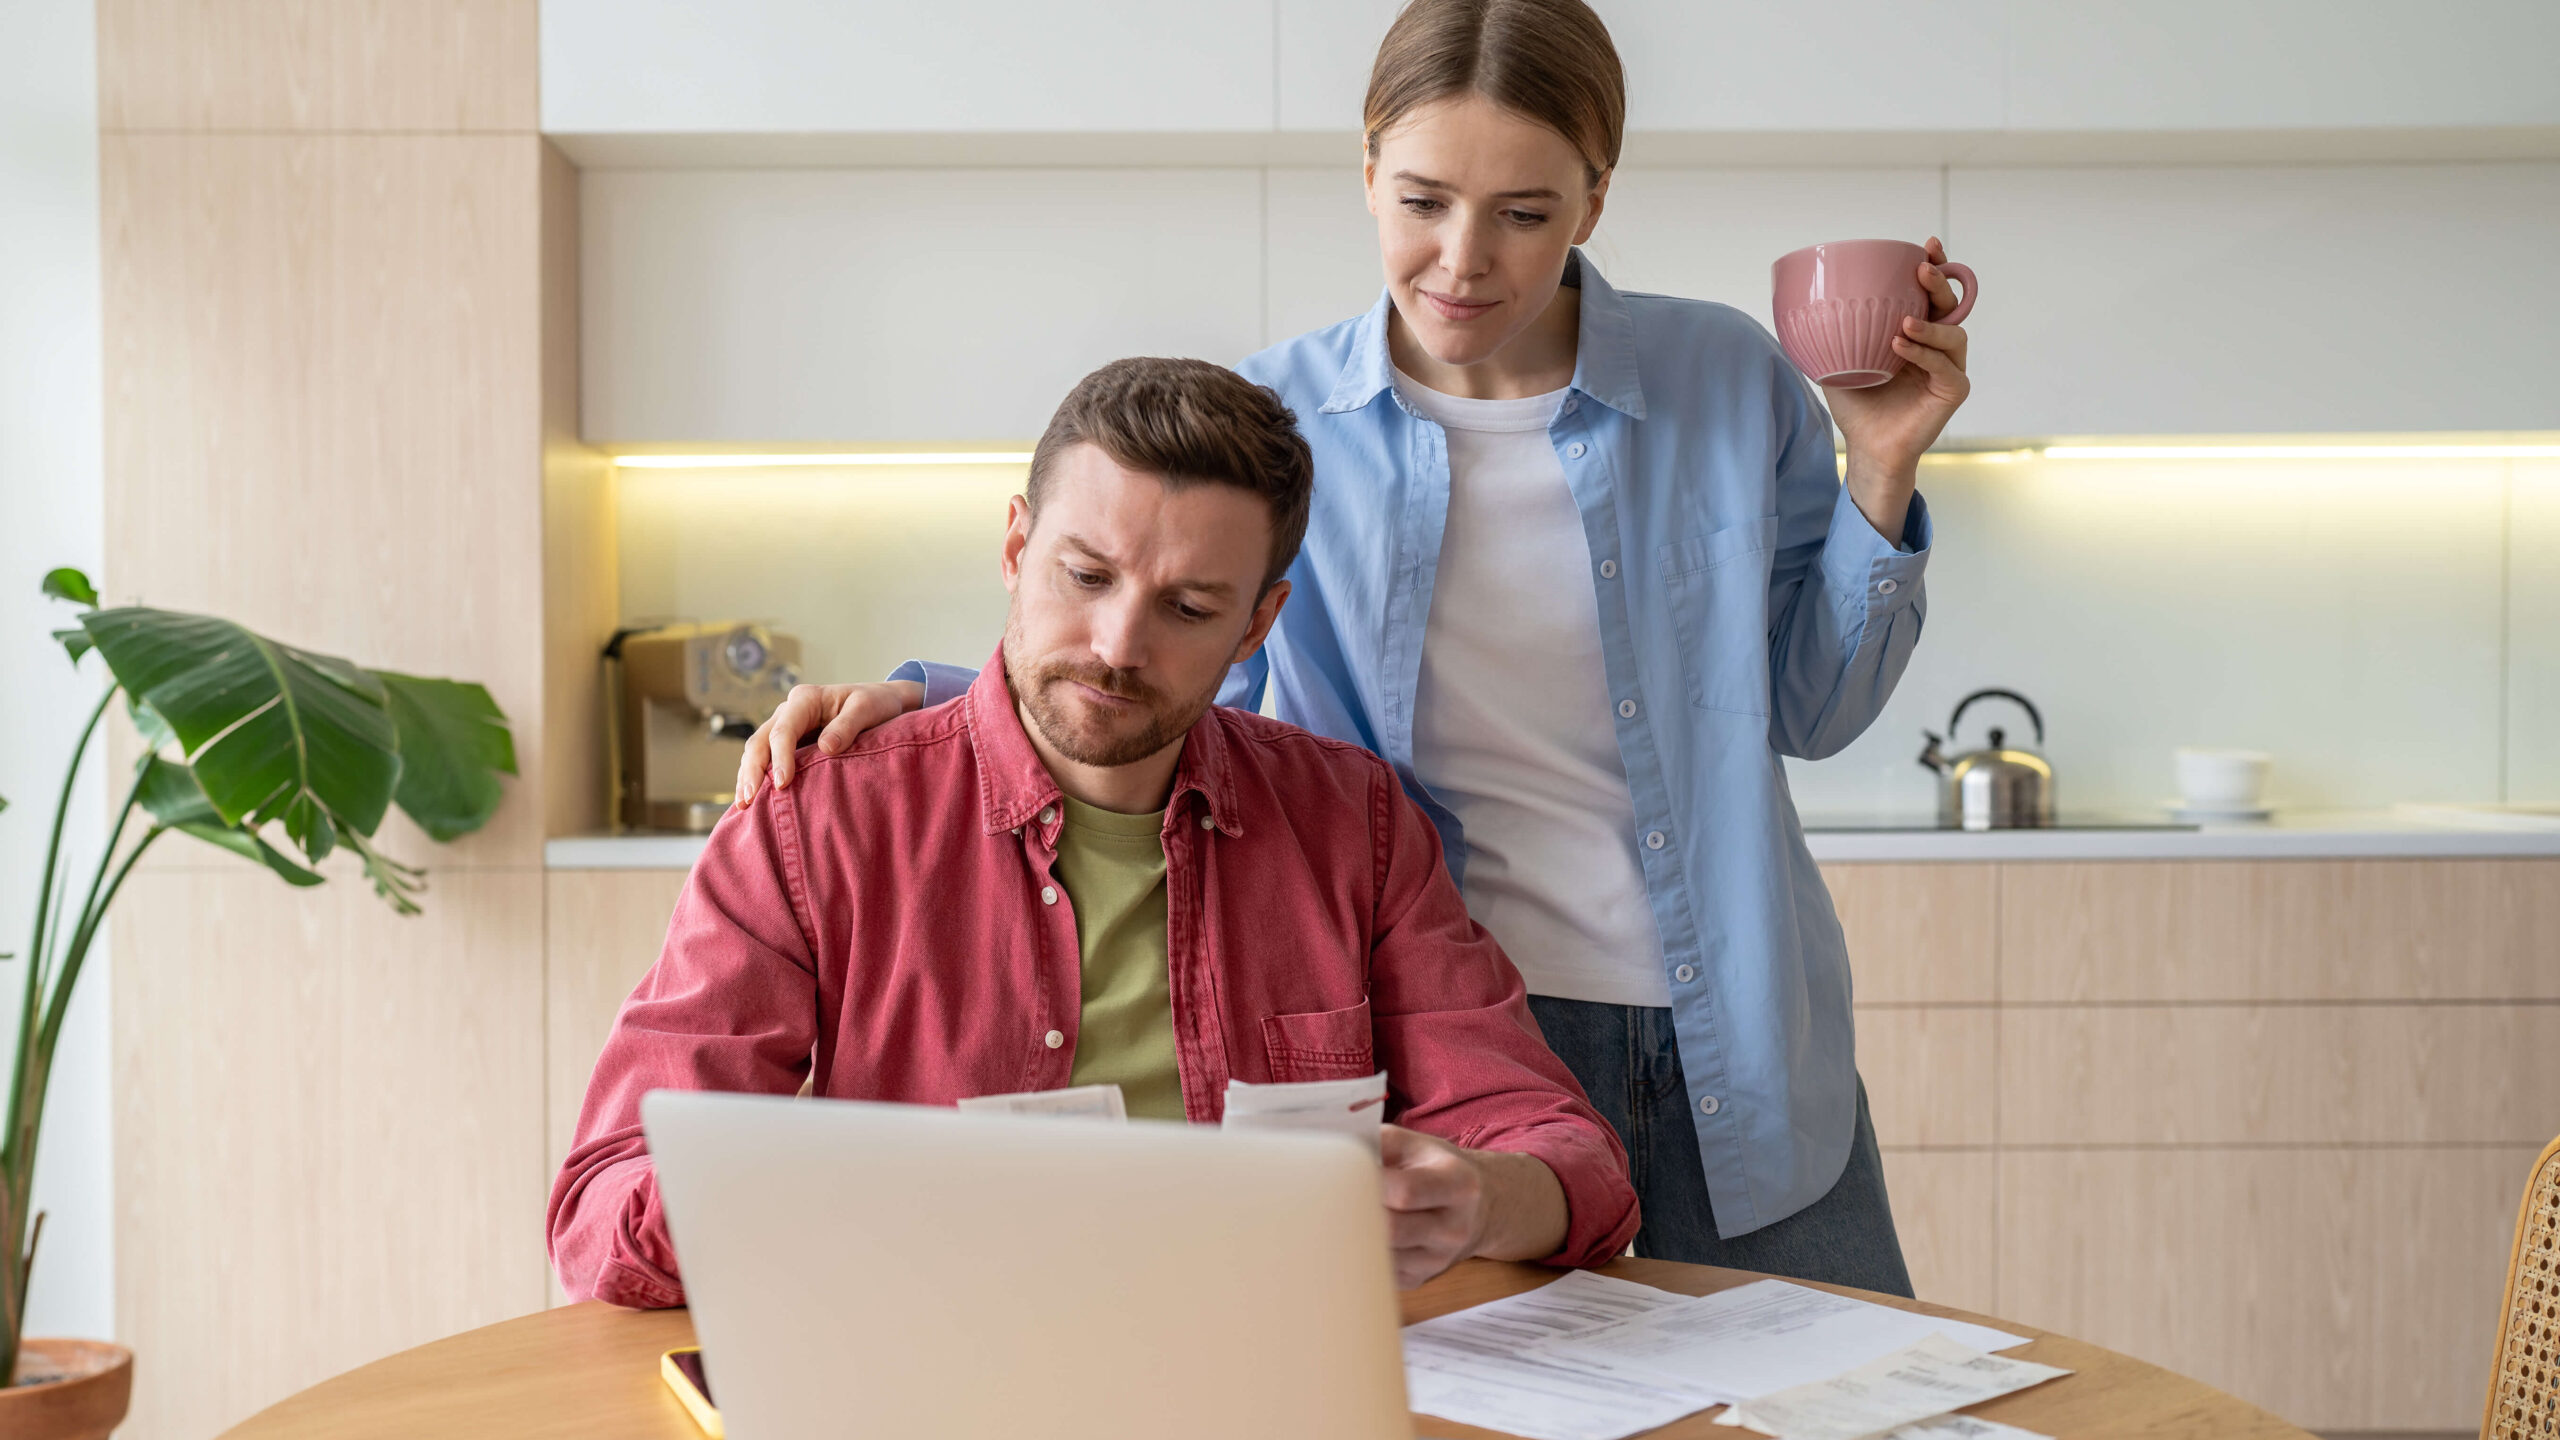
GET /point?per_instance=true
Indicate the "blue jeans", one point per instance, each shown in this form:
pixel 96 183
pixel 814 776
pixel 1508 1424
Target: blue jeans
pixel 1628 1060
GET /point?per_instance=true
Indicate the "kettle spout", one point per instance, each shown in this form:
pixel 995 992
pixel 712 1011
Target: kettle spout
pixel 1933 758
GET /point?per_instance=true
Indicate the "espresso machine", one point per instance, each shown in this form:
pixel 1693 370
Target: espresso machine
pixel 680 701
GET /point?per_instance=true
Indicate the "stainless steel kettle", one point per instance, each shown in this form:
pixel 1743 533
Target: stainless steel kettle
pixel 1997 788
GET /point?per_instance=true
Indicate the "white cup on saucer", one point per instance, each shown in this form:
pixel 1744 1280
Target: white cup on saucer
pixel 2214 781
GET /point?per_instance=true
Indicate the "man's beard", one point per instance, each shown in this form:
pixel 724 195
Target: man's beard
pixel 1160 722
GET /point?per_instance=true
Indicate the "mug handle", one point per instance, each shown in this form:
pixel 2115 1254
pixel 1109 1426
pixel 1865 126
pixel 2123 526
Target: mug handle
pixel 1964 302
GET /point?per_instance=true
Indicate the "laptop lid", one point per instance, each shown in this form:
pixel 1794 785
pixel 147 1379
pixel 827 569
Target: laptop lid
pixel 860 1269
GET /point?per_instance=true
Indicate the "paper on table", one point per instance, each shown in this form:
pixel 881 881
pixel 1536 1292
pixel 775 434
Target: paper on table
pixel 1344 1107
pixel 1483 1366
pixel 1082 1102
pixel 1963 1427
pixel 1918 1382
pixel 1760 1337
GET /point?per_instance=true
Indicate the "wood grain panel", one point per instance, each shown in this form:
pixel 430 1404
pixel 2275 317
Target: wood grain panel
pixel 2287 1074
pixel 2341 1289
pixel 581 590
pixel 1919 933
pixel 605 928
pixel 1931 1074
pixel 323 419
pixel 328 1129
pixel 345 65
pixel 1946 1211
pixel 2281 930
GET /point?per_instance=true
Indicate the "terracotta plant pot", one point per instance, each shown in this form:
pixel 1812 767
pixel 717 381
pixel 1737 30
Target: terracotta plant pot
pixel 67 1390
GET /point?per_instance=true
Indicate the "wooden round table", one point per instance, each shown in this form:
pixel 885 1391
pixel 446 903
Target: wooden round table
pixel 592 1369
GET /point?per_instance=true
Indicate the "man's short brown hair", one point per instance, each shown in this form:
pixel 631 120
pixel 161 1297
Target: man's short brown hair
pixel 1190 423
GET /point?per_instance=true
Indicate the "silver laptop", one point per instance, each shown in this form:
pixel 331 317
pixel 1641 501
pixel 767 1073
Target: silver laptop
pixel 893 1270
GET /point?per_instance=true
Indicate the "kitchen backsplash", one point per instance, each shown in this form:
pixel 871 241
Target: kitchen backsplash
pixel 2387 629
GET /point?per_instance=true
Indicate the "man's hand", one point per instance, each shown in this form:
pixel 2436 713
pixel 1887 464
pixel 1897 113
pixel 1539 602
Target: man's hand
pixel 1445 1204
pixel 846 711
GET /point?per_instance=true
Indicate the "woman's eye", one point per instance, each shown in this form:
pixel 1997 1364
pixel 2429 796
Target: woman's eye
pixel 1525 218
pixel 1422 205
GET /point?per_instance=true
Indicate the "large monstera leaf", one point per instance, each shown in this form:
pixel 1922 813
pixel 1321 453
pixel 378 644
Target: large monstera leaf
pixel 268 733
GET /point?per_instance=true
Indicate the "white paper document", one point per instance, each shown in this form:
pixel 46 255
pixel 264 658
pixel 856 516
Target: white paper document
pixel 1081 1102
pixel 1486 1366
pixel 1762 1337
pixel 1344 1107
pixel 1920 1382
pixel 1963 1427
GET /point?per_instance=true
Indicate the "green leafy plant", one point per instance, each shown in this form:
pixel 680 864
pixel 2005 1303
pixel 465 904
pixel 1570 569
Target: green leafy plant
pixel 241 735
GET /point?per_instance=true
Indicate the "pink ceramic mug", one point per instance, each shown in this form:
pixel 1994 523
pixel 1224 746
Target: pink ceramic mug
pixel 1838 307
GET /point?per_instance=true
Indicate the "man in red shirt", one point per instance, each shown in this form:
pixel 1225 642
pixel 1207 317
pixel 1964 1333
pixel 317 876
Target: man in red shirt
pixel 1083 869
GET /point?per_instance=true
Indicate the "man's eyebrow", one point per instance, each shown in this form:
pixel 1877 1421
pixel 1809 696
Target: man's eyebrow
pixel 1217 588
pixel 1427 183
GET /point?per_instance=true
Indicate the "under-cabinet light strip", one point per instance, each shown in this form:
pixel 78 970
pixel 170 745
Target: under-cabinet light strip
pixel 764 462
pixel 2300 452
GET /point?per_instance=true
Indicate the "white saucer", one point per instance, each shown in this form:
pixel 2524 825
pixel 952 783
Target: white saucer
pixel 2185 814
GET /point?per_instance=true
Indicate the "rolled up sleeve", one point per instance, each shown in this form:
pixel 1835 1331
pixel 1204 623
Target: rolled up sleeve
pixel 1846 603
pixel 1464 1058
pixel 730 1005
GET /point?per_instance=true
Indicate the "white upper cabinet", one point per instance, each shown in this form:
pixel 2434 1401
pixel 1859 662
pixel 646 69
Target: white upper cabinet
pixel 1326 47
pixel 2207 300
pixel 896 306
pixel 1860 65
pixel 832 66
pixel 1712 234
pixel 2282 64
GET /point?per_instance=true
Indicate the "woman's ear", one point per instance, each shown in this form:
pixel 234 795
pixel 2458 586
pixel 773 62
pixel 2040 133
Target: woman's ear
pixel 1599 201
pixel 1369 177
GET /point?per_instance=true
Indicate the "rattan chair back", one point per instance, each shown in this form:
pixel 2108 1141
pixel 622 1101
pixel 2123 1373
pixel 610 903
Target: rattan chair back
pixel 2524 1388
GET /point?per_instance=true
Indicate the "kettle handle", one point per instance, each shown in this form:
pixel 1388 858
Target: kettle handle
pixel 2022 701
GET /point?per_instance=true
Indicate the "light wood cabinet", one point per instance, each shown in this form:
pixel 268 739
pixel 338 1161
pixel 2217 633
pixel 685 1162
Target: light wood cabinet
pixel 2262 1122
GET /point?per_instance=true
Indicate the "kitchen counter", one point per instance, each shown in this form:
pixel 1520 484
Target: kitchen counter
pixel 2304 835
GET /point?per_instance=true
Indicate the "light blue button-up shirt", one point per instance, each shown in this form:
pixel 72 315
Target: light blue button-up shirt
pixel 1748 610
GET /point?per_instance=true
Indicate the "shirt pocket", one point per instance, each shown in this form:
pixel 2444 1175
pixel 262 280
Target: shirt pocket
pixel 1718 586
pixel 1321 1045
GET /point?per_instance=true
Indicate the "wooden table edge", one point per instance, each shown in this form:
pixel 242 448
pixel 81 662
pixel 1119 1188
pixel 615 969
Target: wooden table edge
pixel 592 1368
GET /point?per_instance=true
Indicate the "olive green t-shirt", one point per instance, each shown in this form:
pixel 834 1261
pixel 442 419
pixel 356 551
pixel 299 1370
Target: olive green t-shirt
pixel 1113 868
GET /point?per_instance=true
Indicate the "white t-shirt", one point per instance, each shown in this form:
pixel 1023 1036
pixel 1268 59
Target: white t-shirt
pixel 1513 728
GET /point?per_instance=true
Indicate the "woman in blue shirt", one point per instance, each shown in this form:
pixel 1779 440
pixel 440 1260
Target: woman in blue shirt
pixel 1580 566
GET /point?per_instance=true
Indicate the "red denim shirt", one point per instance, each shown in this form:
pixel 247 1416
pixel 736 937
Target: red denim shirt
pixel 895 919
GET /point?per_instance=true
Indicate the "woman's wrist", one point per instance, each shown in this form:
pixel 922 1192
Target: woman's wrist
pixel 1882 490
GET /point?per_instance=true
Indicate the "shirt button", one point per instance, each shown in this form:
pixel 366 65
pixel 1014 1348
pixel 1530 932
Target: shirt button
pixel 1655 840
pixel 1707 1104
pixel 1887 587
pixel 1626 709
pixel 1575 449
pixel 1570 401
pixel 1054 1039
pixel 1048 894
pixel 1208 822
pixel 1048 813
pixel 1608 569
pixel 1685 974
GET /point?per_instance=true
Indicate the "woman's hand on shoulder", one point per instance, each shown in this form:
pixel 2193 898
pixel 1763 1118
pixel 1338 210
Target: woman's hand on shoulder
pixel 846 711
pixel 1890 425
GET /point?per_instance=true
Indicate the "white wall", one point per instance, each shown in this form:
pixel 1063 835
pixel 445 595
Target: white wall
pixel 51 514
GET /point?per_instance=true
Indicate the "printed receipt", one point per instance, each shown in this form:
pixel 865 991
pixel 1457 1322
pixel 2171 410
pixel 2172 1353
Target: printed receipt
pixel 1919 1382
pixel 1594 1358
pixel 1761 1337
pixel 1485 1366
pixel 1079 1102
pixel 1343 1107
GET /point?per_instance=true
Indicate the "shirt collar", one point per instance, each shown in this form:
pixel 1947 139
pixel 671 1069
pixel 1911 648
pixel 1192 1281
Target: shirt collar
pixel 1604 366
pixel 1014 787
